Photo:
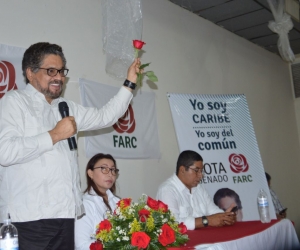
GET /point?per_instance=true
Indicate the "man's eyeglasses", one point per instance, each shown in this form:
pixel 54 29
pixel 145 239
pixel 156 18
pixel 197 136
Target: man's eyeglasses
pixel 105 170
pixel 54 72
pixel 198 170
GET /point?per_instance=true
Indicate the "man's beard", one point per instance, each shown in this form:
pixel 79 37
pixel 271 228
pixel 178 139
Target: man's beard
pixel 48 93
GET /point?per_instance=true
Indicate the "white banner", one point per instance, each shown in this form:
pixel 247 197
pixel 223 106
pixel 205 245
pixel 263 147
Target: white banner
pixel 134 136
pixel 11 75
pixel 220 129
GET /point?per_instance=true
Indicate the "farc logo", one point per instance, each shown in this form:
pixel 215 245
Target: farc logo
pixel 238 163
pixel 126 123
pixel 7 77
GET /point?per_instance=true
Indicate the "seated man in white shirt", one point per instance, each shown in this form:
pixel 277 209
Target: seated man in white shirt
pixel 189 201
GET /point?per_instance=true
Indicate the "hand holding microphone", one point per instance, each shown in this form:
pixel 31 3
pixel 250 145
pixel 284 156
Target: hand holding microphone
pixel 64 111
pixel 65 128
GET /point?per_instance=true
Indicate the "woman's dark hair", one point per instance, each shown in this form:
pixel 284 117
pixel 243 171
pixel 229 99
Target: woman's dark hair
pixel 187 159
pixel 35 54
pixel 224 192
pixel 90 183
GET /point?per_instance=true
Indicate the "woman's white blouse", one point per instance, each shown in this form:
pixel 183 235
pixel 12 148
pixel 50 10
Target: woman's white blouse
pixel 95 212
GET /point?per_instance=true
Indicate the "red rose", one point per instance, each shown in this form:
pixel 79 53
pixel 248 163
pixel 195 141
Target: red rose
pixel 143 214
pixel 162 206
pixel 96 246
pixel 105 225
pixel 238 163
pixel 182 228
pixel 152 203
pixel 125 202
pixel 167 236
pixel 140 240
pixel 138 44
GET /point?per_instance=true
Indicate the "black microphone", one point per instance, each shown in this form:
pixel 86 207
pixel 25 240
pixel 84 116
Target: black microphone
pixel 64 111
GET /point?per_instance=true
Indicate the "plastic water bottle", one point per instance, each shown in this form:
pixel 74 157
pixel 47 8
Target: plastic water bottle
pixel 8 236
pixel 263 206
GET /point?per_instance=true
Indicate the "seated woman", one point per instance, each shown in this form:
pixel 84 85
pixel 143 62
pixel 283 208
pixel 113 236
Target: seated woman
pixel 98 198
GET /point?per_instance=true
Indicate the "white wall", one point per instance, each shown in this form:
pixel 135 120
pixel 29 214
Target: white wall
pixel 189 55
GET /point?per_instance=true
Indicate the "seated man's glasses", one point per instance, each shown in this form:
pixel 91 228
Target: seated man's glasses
pixel 105 170
pixel 53 72
pixel 198 170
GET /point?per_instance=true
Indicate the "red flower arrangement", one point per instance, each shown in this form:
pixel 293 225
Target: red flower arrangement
pixel 148 224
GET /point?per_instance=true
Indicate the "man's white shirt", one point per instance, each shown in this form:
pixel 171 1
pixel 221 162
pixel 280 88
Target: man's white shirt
pixel 184 205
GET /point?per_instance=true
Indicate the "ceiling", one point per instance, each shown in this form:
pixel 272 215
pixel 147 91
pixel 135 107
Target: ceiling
pixel 246 18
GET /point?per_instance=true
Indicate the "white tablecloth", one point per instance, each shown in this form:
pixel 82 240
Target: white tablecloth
pixel 281 236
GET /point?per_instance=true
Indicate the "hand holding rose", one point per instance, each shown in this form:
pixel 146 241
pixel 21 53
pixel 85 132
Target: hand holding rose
pixel 133 70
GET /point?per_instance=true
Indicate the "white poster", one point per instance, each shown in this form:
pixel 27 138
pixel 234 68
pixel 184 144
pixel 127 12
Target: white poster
pixel 134 136
pixel 11 75
pixel 220 129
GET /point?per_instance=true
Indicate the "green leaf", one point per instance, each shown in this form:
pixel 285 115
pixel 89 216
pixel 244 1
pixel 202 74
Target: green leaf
pixel 152 77
pixel 144 65
pixel 153 246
